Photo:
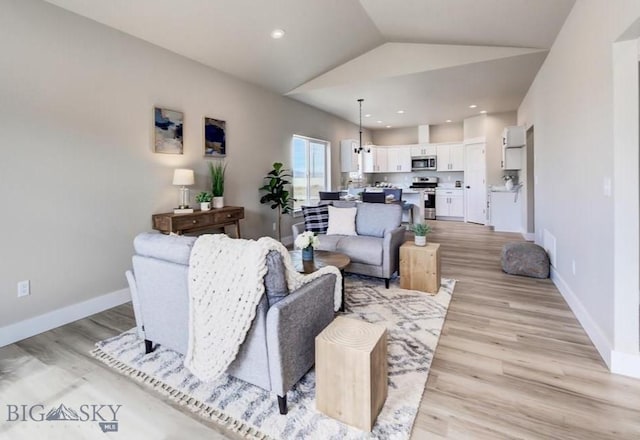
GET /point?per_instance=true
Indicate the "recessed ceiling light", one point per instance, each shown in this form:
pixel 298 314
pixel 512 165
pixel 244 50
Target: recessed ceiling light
pixel 472 106
pixel 483 112
pixel 448 120
pixel 276 34
pixel 400 112
pixel 388 126
pixel 367 115
pixel 379 122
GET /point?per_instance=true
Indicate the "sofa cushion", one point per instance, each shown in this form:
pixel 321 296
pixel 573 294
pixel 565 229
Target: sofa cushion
pixel 374 219
pixel 275 280
pixel 316 218
pixel 328 242
pixel 362 249
pixel 342 221
pixel 172 248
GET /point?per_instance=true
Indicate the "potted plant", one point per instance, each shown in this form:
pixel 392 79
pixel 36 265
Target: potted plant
pixel 277 194
pixel 204 198
pixel 217 171
pixel 307 241
pixel 420 230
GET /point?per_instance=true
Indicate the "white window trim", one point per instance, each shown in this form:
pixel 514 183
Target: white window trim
pixel 298 212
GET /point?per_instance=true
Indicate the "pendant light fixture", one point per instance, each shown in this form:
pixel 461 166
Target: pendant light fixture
pixel 360 147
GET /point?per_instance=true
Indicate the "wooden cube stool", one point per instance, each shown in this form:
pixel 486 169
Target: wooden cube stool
pixel 351 371
pixel 420 267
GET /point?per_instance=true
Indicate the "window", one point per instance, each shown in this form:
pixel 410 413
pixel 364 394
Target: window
pixel 311 170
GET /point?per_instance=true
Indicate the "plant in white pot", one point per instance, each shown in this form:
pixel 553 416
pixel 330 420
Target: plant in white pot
pixel 204 198
pixel 420 231
pixel 217 171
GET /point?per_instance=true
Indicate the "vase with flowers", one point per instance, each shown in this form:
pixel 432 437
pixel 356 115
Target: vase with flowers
pixel 508 182
pixel 307 241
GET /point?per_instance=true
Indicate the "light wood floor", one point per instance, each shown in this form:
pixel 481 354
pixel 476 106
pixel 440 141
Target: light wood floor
pixel 512 362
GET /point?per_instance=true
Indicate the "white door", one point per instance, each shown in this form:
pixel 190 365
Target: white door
pixel 475 183
pixel 442 206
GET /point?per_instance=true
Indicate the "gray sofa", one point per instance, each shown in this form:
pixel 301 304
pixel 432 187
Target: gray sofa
pixel 375 250
pixel 279 348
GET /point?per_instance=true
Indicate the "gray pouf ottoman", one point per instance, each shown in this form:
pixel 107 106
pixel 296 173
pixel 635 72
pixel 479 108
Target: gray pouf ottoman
pixel 524 258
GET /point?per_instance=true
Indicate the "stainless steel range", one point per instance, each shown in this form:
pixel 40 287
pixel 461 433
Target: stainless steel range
pixel 427 186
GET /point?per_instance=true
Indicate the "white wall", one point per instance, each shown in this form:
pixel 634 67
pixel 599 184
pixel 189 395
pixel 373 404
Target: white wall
pixel 79 176
pixel 452 132
pixel 570 105
pixel 395 136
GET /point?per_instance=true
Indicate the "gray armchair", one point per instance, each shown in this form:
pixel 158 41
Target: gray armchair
pixel 279 348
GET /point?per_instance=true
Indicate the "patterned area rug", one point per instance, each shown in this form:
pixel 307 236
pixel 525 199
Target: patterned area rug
pixel 413 319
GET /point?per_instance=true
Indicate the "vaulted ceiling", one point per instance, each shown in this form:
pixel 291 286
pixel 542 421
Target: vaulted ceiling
pixel 430 58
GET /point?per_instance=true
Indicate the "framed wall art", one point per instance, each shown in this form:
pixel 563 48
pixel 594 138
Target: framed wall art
pixel 215 143
pixel 168 131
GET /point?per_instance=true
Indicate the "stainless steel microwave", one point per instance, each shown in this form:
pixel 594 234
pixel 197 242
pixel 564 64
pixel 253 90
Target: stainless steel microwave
pixel 425 163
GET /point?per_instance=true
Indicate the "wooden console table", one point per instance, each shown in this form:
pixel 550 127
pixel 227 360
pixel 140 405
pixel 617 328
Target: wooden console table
pixel 199 220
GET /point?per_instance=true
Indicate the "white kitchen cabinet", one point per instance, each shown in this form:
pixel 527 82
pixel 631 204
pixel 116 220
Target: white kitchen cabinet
pixel 350 160
pixel 399 159
pixel 374 159
pixel 423 150
pixel 511 158
pixel 505 212
pixel 449 203
pixel 450 157
pixel 513 137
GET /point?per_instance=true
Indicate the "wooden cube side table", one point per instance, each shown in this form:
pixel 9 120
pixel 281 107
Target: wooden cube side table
pixel 420 267
pixel 351 371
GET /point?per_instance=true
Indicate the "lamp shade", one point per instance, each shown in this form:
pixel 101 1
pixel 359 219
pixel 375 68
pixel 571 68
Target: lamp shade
pixel 183 177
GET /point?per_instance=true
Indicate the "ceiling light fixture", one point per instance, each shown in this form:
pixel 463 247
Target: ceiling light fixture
pixel 276 34
pixel 400 112
pixel 472 106
pixel 379 122
pixel 483 112
pixel 388 126
pixel 360 147
pixel 448 120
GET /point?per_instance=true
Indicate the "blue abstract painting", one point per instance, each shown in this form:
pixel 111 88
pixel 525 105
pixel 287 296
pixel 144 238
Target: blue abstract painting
pixel 168 131
pixel 215 144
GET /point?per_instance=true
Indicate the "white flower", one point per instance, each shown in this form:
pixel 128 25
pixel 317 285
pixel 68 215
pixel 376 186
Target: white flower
pixel 307 239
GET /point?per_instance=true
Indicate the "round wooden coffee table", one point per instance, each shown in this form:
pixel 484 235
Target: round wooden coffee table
pixel 320 260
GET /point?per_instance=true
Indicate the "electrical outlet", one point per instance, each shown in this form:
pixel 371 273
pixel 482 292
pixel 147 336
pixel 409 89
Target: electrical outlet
pixel 274 226
pixel 24 288
pixel 573 266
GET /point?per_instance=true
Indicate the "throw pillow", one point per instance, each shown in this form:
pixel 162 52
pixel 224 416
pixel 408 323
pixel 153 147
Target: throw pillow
pixel 342 221
pixel 275 281
pixel 316 218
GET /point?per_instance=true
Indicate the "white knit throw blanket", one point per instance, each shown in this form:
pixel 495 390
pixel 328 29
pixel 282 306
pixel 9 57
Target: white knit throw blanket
pixel 225 287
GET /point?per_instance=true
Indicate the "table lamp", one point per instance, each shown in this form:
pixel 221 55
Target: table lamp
pixel 183 178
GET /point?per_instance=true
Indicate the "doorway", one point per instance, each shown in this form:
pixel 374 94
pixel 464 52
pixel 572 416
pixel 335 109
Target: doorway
pixel 475 171
pixel 531 180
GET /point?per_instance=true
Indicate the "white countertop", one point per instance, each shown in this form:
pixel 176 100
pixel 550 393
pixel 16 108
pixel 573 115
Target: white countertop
pixel 502 188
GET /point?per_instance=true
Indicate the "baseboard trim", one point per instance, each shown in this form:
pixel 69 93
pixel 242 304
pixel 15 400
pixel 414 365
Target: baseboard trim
pixel 38 324
pixel 529 236
pixel 625 363
pixel 600 341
